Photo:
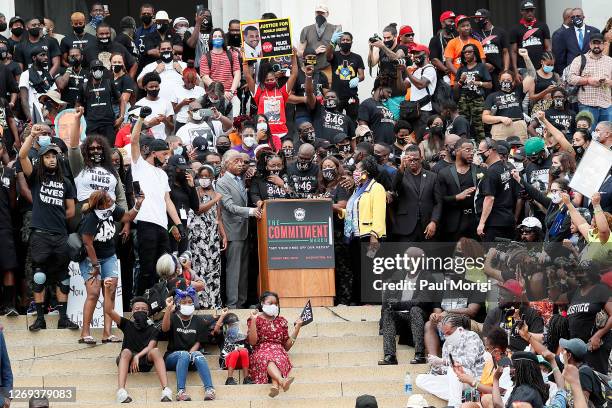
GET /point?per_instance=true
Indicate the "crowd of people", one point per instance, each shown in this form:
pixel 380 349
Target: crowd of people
pixel 146 152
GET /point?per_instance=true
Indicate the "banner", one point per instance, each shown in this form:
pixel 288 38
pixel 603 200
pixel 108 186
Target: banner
pixel 266 38
pixel 300 234
pixel 78 294
pixel 592 170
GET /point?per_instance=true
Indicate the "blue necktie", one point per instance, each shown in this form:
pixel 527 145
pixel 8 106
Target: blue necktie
pixel 580 38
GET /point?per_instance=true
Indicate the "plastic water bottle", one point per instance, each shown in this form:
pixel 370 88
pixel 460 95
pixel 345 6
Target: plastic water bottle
pixel 408 384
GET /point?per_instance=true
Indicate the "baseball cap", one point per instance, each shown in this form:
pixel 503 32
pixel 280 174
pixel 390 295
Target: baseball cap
pixel 460 18
pixel 157 145
pixel 484 13
pixel 162 15
pixel 419 48
pixel 51 147
pixel 406 30
pixel 179 161
pixel 199 143
pixel 575 346
pixel 527 4
pixel 513 286
pixel 534 145
pixel 446 15
pixel 366 401
pixel 596 37
pixel 322 8
pixel 531 222
pixel 15 19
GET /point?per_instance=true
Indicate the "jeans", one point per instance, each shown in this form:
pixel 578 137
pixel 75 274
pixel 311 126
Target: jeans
pixel 180 361
pixel 599 114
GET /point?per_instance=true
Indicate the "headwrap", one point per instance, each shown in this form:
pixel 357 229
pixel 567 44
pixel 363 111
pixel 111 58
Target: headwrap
pixel 182 294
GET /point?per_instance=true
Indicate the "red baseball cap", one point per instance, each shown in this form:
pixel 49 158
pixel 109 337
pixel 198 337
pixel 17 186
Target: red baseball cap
pixel 460 18
pixel 405 30
pixel 419 48
pixel 513 286
pixel 446 15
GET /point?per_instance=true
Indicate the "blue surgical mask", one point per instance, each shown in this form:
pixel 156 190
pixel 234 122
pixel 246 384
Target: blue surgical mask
pixel 44 141
pixel 178 150
pixel 548 68
pixel 217 42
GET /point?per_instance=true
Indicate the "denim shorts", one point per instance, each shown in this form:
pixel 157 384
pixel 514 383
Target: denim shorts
pixel 108 268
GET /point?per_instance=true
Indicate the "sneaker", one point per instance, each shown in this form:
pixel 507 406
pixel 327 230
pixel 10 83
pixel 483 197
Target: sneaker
pixel 67 324
pixel 182 396
pixel 31 309
pixel 123 396
pixel 247 381
pixel 210 394
pixel 11 312
pixel 38 324
pixel 231 381
pixel 166 395
pixel 53 311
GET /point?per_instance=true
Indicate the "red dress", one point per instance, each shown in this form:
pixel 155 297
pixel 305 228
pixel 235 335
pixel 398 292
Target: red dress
pixel 272 335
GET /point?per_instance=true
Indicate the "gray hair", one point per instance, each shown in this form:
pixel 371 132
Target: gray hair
pixel 228 157
pixel 165 267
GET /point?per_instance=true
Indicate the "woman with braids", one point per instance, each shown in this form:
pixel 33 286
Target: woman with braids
pixel 98 232
pixel 467 351
pixel 270 181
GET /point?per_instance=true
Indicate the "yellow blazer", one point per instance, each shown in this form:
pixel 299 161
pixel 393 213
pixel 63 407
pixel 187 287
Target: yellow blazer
pixel 372 211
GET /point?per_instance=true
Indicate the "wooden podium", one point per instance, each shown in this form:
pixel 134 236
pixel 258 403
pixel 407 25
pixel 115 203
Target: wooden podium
pixel 295 238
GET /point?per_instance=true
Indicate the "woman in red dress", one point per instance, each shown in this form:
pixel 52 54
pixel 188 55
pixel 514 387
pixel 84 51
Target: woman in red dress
pixel 270 339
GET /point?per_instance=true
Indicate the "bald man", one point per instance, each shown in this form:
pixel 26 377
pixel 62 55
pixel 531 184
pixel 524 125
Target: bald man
pixel 303 173
pixel 77 38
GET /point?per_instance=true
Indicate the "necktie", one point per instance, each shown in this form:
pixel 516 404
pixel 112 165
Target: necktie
pixel 580 38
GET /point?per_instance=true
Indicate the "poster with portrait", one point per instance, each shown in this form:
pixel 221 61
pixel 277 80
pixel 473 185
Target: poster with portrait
pixel 266 38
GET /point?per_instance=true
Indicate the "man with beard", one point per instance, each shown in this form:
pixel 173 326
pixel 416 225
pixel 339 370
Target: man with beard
pixel 494 41
pixel 24 51
pixel 303 174
pixel 438 43
pixel 594 80
pixel 170 71
pixel 69 84
pixel 328 120
pixel 52 203
pixel 422 85
pixel 152 41
pixel 77 39
pixel 347 71
pixel 34 82
pixel 151 220
pixel 104 47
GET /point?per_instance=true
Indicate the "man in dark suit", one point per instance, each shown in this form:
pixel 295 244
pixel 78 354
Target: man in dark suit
pixel 572 42
pixel 417 205
pixel 456 186
pixel 235 215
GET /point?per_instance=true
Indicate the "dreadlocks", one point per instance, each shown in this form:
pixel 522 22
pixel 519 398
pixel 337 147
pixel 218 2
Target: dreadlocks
pixel 558 328
pixel 528 373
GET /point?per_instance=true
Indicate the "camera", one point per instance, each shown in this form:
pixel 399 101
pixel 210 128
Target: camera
pixel 185 258
pixel 374 38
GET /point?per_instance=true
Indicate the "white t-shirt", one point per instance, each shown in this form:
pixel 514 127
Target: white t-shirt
pixel 181 93
pixel 154 185
pixel 170 78
pixel 24 82
pixel 429 72
pixel 192 130
pixel 94 179
pixel 160 106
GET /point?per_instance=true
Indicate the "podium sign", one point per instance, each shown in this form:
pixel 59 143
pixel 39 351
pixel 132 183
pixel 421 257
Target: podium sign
pixel 300 234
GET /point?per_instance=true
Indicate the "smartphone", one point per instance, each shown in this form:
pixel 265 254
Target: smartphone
pixel 452 360
pixel 199 9
pixel 136 187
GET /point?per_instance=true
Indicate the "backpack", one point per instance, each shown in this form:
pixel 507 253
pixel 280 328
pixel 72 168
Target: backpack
pixel 230 57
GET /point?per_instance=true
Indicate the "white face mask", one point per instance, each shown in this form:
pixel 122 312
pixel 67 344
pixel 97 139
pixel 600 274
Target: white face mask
pixel 262 126
pixel 187 310
pixel 270 310
pixel 249 141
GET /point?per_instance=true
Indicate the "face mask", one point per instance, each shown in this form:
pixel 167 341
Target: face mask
pixel 153 93
pixel 78 29
pixel 187 310
pixel 178 150
pixel 166 57
pixel 105 214
pixel 222 149
pixel 117 68
pixel 308 137
pixel 162 28
pixel 555 171
pixel 249 141
pixel 505 86
pixel 579 150
pixel 329 174
pixel 303 166
pixel 576 21
pixel 262 127
pixel 270 310
pixel 389 43
pixel 34 32
pixel 17 31
pixel 75 62
pixel 555 198
pixel 288 152
pixel 204 182
pixel 548 68
pixel 320 20
pixel 96 157
pixel 558 103
pixel 234 40
pixel 97 74
pixel 44 141
pixel 345 47
pixel 331 104
pixel 141 320
pixel 217 42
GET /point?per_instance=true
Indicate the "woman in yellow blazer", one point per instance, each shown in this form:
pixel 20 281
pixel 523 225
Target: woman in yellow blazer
pixel 364 218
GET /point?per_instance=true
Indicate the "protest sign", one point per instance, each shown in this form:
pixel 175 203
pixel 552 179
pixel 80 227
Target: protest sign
pixel 266 38
pixel 592 170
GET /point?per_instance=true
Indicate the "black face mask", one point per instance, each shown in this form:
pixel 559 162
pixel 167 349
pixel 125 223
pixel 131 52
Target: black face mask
pixel 345 47
pixel 166 56
pixel 234 40
pixel 146 20
pixel 221 149
pixel 34 32
pixel 153 93
pixel 320 20
pixel 17 31
pixel 3 27
pixel 141 320
pixel 78 29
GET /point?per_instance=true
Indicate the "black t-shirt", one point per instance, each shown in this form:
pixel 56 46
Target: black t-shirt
pixel 72 91
pixel 23 50
pixel 590 383
pixel 71 40
pixel 387 68
pixel 184 334
pixel 98 102
pixel 344 68
pixel 103 231
pixel 459 126
pixel 564 120
pixel 304 183
pixel 95 50
pixel 136 340
pixel 379 119
pixel 319 82
pixel 125 84
pixel 497 183
pixel 477 73
pixel 583 309
pixel 497 317
pixel 7 179
pixel 493 44
pixel 153 40
pixel 506 104
pixel 328 123
pixel 453 299
pixel 48 203
pixel 530 39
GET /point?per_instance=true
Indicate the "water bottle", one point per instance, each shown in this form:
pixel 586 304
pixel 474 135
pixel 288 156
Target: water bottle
pixel 408 384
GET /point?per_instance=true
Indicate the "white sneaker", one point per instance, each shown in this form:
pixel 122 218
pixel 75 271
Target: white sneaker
pixel 166 395
pixel 123 396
